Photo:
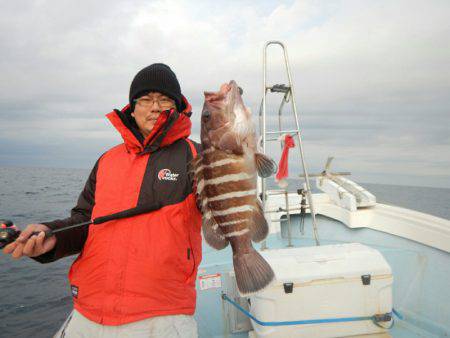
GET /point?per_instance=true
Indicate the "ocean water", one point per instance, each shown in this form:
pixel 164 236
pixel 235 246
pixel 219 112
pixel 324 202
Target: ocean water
pixel 35 298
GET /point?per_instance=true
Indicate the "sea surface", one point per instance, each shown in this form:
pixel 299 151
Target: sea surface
pixel 35 298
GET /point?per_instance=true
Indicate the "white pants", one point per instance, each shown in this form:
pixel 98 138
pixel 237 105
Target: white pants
pixel 176 326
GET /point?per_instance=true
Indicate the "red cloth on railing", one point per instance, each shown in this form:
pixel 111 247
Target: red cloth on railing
pixel 282 173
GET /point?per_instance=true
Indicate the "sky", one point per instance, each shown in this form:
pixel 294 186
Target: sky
pixel 371 78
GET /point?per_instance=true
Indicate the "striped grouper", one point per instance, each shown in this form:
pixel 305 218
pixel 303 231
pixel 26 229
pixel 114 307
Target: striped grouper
pixel 225 172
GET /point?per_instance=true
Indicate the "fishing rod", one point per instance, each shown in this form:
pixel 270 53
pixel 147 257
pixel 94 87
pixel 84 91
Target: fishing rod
pixel 9 232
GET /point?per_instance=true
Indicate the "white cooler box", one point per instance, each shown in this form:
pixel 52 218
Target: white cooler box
pixel 332 281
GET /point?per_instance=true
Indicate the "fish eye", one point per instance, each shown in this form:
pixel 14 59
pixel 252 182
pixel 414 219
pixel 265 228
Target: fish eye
pixel 206 115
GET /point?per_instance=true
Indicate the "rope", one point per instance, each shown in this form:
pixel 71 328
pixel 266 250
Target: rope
pixel 399 316
pixel 375 319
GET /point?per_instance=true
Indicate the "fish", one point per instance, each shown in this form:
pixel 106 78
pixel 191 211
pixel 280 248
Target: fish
pixel 225 175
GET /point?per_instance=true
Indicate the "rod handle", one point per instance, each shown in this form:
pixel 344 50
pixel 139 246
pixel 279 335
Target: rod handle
pixel 48 233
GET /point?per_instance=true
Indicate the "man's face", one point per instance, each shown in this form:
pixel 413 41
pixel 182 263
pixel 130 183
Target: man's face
pixel 148 108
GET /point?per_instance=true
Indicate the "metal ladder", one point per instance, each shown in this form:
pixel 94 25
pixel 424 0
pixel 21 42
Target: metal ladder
pixel 288 91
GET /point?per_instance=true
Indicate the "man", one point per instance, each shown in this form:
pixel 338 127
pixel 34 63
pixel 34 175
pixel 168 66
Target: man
pixel 133 276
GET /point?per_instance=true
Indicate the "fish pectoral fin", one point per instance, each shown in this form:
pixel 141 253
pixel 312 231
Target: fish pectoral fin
pixel 265 165
pixel 213 234
pixel 259 229
pixel 230 143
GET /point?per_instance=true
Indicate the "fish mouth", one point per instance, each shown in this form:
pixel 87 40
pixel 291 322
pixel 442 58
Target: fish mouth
pixel 233 84
pixel 224 101
pixel 237 91
pixel 230 88
pixel 233 97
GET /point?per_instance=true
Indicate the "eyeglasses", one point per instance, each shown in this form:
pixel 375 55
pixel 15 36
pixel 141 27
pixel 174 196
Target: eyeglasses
pixel 147 102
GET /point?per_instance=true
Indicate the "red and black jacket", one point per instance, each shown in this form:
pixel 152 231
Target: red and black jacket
pixel 146 265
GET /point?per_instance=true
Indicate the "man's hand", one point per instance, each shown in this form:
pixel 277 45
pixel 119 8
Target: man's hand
pixel 31 245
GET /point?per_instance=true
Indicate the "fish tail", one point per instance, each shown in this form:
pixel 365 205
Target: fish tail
pixel 252 272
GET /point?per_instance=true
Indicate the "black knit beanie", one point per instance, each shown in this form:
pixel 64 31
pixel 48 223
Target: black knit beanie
pixel 157 77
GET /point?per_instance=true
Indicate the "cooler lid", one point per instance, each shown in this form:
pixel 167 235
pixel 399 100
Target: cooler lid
pixel 325 262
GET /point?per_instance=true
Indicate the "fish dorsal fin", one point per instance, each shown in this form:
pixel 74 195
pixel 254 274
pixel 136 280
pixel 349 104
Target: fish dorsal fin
pixel 265 165
pixel 195 173
pixel 194 164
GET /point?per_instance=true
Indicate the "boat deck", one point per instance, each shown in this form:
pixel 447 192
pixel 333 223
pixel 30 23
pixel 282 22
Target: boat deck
pixel 420 278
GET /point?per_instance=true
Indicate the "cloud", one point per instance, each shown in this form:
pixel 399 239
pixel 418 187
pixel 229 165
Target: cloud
pixel 371 78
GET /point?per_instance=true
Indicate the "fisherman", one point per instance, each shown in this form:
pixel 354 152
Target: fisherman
pixel 133 276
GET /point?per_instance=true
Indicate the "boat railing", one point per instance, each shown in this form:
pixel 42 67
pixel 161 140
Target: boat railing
pixel 274 135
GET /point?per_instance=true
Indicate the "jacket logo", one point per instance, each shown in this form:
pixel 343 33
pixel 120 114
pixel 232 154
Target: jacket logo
pixel 167 175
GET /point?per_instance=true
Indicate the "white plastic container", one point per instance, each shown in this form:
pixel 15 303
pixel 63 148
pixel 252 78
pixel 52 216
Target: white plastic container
pixel 327 283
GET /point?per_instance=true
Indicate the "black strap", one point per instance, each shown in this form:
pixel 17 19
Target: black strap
pixel 138 210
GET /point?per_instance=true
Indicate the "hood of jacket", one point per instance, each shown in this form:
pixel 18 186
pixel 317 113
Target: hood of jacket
pixel 169 127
